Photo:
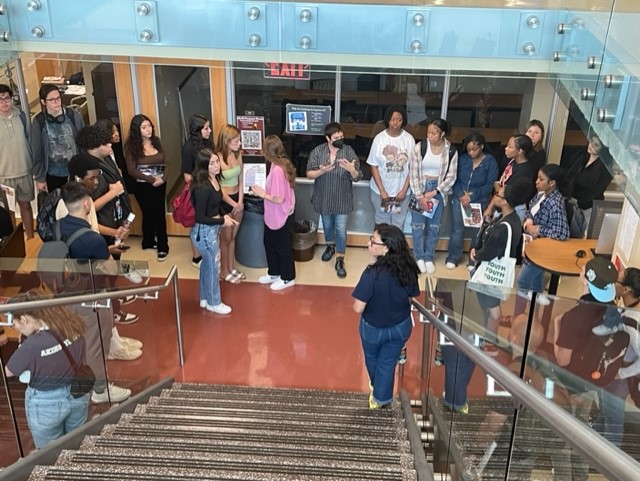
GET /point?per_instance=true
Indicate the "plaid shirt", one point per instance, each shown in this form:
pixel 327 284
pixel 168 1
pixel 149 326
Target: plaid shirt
pixel 551 217
pixel 445 179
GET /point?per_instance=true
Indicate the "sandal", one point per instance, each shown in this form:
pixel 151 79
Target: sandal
pixel 238 274
pixel 231 279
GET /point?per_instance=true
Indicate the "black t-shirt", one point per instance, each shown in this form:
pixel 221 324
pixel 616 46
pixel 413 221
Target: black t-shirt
pixel 527 171
pixel 589 183
pixel 43 357
pixel 492 239
pixel 387 301
pixel 206 202
pixel 537 159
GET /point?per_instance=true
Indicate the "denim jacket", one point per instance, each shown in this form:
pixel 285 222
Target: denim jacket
pixel 478 182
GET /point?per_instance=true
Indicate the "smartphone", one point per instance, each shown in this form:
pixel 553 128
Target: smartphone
pixel 123 247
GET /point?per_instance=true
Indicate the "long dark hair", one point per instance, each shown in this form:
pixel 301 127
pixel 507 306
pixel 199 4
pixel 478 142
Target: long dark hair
pixel 559 175
pixel 134 145
pixel 201 171
pixel 398 260
pixel 275 153
pixel 196 124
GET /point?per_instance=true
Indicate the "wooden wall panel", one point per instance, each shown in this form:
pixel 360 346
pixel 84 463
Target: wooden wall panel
pixel 147 91
pixel 218 84
pixel 124 92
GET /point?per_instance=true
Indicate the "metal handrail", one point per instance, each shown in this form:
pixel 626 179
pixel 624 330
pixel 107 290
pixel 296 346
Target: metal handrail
pixel 601 454
pixel 172 278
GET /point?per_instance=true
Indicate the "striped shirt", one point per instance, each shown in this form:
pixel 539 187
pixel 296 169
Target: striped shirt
pixel 333 191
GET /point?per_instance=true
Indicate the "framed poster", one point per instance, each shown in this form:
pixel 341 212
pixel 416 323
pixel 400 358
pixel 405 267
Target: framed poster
pixel 307 119
pixel 251 134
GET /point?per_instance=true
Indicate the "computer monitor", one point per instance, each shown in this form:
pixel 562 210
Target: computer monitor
pixel 607 237
pixel 600 208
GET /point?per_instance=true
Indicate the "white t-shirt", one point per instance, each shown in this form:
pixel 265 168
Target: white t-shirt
pixel 391 156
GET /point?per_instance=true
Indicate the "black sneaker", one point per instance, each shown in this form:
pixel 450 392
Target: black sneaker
pixel 162 256
pixel 328 253
pixel 340 270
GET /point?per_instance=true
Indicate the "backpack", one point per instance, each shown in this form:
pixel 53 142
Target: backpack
pixel 183 211
pixel 53 255
pixel 47 215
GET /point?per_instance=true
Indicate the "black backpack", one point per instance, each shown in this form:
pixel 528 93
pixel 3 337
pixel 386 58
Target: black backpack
pixel 47 215
pixel 53 255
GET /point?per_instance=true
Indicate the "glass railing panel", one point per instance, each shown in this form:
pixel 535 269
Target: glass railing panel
pixel 109 347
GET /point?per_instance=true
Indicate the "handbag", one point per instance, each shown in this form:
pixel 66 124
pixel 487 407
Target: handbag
pixel 183 211
pixel 84 378
pixel 496 277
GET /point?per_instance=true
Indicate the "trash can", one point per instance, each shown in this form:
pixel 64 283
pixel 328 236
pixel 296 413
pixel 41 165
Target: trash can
pixel 249 243
pixel 303 239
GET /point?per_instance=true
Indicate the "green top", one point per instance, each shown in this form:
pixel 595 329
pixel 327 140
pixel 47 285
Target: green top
pixel 230 177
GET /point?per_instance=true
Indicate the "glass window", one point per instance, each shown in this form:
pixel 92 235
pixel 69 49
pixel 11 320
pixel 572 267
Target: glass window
pixel 255 94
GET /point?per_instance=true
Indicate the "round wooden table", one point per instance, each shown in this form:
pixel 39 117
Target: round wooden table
pixel 559 257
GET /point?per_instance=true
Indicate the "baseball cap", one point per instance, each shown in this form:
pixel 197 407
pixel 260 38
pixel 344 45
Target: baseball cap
pixel 601 276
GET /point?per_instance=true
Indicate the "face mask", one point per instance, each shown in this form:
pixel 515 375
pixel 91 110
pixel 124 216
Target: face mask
pixel 338 144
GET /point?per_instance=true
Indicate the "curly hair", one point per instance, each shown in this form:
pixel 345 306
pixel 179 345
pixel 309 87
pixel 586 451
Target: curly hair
pixel 134 144
pixel 66 323
pixel 92 137
pixel 274 152
pixel 227 133
pixel 398 260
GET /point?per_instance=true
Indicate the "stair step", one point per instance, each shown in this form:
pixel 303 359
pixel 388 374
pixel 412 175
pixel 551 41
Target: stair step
pixel 91 472
pixel 265 448
pixel 252 436
pixel 114 457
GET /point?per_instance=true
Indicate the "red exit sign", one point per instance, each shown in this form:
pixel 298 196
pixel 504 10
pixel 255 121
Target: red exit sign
pixel 295 71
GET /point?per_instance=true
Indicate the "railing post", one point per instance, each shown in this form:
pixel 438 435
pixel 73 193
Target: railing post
pixel 176 299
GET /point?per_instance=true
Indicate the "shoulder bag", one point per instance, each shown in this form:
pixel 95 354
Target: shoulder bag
pixel 496 277
pixel 84 378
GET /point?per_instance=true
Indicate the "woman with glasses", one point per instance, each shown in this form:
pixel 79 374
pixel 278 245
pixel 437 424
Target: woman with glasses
pixel 41 363
pixel 383 300
pixel 477 171
pixel 53 133
pixel 206 197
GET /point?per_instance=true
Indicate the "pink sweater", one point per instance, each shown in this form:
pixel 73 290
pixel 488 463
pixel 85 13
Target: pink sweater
pixel 275 215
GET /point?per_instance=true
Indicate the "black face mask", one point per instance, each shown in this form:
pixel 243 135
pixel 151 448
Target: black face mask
pixel 338 144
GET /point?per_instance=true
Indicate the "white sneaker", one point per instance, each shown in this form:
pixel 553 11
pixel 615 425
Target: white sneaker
pixel 280 284
pixel 113 393
pixel 221 308
pixel 430 266
pixel 125 317
pixel 470 268
pixel 131 343
pixel 267 279
pixel 450 265
pixel 123 353
pixel 542 300
pixel 127 300
pixel 133 277
pixel 203 303
pixel 422 266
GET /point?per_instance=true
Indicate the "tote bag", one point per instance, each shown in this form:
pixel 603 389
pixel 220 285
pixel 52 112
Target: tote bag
pixel 496 277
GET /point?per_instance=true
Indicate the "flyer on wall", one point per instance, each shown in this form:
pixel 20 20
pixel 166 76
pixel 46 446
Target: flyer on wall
pixel 251 129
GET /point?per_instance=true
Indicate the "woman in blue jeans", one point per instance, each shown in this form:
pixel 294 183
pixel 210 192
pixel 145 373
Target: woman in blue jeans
pixel 383 298
pixel 206 197
pixel 477 171
pixel 431 176
pixel 41 363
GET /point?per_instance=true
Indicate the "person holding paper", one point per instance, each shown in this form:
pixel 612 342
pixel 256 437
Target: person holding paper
pixel 279 203
pixel 432 174
pixel 477 171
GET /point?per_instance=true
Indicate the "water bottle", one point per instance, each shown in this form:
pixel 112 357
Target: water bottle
pixel 126 224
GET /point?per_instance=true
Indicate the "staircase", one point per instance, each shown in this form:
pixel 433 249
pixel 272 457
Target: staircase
pixel 214 432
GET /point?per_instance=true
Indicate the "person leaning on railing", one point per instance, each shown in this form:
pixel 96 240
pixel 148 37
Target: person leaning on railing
pixel 41 363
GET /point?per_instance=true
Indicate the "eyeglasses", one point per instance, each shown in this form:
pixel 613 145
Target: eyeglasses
pixel 54 100
pixel 373 242
pixel 5 99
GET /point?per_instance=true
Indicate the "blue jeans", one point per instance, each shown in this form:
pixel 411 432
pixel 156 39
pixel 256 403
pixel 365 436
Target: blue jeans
pixel 610 420
pixel 457 233
pixel 458 370
pixel 382 347
pixel 425 231
pixel 52 414
pixel 206 239
pixel 336 223
pixel 387 217
pixel 531 278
